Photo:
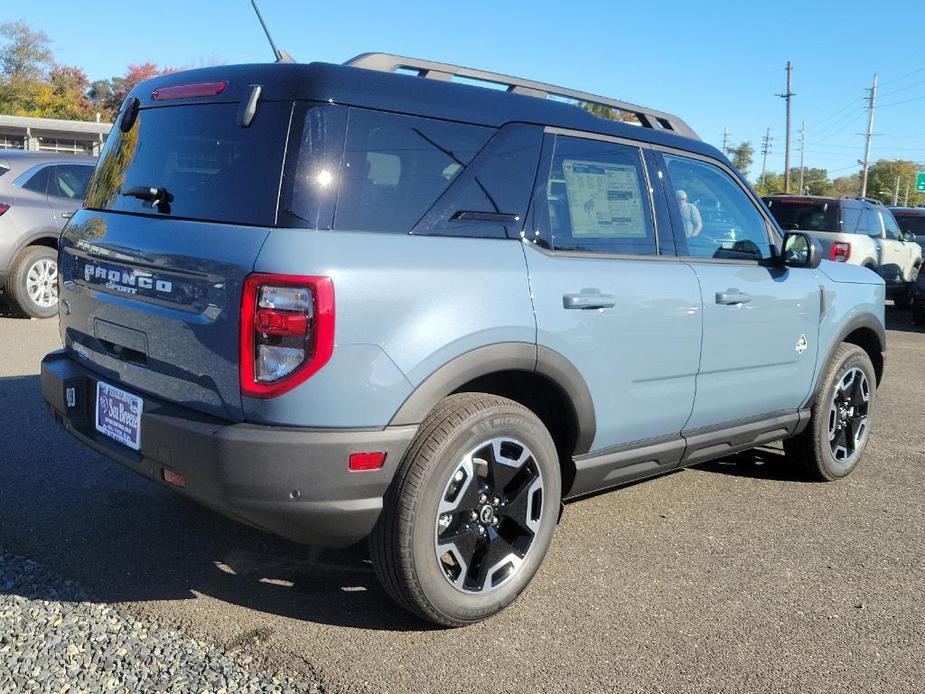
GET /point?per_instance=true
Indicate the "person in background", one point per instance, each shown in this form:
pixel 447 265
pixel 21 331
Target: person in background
pixel 690 214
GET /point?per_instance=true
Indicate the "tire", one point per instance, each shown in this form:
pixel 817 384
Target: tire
pixel 33 283
pixel 820 456
pixel 429 552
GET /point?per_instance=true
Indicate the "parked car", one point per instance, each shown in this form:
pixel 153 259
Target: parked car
pixel 918 301
pixel 911 220
pixel 431 327
pixel 857 231
pixel 38 194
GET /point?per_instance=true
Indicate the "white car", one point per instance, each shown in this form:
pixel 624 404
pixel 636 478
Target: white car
pixel 858 231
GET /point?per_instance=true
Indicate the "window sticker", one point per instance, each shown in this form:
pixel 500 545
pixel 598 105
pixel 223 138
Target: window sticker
pixel 605 200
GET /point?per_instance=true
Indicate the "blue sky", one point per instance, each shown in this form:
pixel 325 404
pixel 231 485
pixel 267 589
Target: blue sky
pixel 714 64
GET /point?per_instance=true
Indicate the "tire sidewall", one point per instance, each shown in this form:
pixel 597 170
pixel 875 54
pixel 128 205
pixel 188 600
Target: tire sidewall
pixel 854 358
pixel 20 289
pixel 498 421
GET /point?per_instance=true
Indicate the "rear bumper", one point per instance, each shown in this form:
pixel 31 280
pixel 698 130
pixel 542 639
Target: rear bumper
pixel 289 481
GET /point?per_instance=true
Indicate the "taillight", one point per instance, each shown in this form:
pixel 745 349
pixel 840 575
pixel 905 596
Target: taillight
pixel 287 331
pixel 189 91
pixel 840 251
pixel 3 208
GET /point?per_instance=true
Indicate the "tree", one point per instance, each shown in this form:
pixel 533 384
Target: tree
pixel 25 54
pixel 882 177
pixel 742 156
pixel 847 185
pixel 769 184
pixel 815 181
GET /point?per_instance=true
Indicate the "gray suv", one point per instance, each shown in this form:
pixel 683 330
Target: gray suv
pixel 369 302
pixel 39 192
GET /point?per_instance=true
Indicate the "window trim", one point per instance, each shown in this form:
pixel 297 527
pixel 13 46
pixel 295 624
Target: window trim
pixel 542 180
pixel 775 237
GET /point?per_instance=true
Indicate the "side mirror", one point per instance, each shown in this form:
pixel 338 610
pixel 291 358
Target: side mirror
pixel 801 250
pixel 908 237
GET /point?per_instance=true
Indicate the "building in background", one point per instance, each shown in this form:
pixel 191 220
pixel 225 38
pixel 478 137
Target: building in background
pixel 52 134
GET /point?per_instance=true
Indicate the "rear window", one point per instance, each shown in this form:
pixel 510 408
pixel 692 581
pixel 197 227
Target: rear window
pixel 912 224
pixel 214 168
pixel 805 215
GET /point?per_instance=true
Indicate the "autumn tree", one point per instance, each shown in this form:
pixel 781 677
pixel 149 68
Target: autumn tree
pixel 108 95
pixel 769 183
pixel 741 156
pixel 882 178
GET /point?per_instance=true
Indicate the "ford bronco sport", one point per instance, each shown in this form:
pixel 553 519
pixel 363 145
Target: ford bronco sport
pixel 341 302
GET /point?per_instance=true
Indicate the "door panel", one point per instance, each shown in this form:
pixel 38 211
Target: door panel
pixel 627 318
pixel 760 320
pixel 759 355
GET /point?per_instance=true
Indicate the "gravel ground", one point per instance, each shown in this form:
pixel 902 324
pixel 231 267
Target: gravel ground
pixel 53 638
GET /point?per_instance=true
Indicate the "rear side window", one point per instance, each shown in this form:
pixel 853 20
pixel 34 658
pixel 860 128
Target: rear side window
pixel 870 222
pixel 597 199
pixel 890 225
pixel 38 182
pixel 214 168
pixel 913 224
pixel 396 167
pixel 69 181
pixel 804 215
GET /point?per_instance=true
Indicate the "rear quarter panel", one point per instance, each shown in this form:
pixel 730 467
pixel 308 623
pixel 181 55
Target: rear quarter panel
pixel 404 306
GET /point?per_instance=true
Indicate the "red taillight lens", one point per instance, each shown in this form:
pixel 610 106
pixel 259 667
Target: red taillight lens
pixel 3 208
pixel 365 461
pixel 840 251
pixel 189 91
pixel 287 331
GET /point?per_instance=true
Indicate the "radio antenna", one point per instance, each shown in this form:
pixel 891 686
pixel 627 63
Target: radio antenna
pixel 281 55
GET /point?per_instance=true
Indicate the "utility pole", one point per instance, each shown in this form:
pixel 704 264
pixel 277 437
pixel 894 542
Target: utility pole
pixel 802 148
pixel 906 196
pixel 725 140
pixel 787 96
pixel 765 148
pixel 872 105
pixel 896 193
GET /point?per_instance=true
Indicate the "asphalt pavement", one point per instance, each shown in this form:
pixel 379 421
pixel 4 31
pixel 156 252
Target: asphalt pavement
pixel 735 576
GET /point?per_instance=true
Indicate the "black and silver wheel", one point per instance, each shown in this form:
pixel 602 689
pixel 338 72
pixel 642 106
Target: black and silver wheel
pixel 471 512
pixel 839 429
pixel 33 282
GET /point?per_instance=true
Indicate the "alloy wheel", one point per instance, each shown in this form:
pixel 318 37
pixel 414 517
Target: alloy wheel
pixel 489 515
pixel 42 283
pixel 848 414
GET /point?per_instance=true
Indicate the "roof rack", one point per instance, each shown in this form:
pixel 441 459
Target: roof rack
pixel 647 117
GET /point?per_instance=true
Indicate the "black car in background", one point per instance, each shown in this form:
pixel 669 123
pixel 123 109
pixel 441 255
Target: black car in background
pixel 912 221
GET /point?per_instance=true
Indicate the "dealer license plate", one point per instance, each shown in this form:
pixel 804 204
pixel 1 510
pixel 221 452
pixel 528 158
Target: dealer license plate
pixel 118 414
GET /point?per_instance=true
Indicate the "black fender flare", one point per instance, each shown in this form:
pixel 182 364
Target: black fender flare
pixel 504 356
pixel 863 320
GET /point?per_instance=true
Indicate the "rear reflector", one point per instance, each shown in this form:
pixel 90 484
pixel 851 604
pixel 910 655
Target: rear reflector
pixel 3 208
pixel 174 478
pixel 189 91
pixel 366 461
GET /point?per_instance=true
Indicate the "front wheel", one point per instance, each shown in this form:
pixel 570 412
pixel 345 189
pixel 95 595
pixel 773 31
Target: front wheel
pixel 835 439
pixel 471 512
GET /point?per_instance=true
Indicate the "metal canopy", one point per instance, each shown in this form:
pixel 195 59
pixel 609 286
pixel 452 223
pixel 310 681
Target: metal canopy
pixel 647 117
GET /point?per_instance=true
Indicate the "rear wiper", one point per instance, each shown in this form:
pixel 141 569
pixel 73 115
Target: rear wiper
pixel 159 198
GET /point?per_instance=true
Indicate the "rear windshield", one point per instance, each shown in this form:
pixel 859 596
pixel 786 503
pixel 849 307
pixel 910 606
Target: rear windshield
pixel 806 215
pixel 913 224
pixel 213 168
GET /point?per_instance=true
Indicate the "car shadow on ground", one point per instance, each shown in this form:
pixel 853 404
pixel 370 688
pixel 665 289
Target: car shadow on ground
pixel 7 310
pixel 763 463
pixel 127 539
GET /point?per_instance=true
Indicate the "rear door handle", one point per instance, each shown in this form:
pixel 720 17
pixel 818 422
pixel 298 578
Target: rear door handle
pixel 587 300
pixel 732 296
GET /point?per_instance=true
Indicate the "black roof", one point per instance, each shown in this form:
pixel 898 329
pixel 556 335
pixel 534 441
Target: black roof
pixel 399 93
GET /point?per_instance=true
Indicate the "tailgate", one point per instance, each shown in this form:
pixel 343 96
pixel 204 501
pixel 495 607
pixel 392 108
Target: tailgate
pixel 154 304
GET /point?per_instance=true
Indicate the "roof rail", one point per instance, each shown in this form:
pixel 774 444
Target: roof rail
pixel 647 117
pixel 873 201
